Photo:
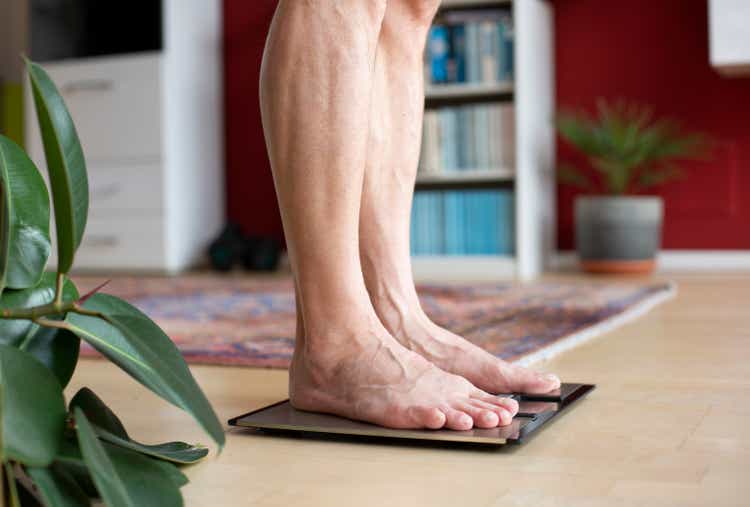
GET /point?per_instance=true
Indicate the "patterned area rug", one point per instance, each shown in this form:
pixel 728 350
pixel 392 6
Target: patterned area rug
pixel 250 322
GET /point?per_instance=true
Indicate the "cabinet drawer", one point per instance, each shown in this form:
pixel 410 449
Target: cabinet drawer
pixel 121 243
pixel 126 187
pixel 114 102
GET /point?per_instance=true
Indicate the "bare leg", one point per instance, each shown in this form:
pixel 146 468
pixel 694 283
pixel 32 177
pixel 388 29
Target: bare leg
pixel 316 83
pixel 395 134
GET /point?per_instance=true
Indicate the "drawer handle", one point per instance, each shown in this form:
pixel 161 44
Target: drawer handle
pixel 88 85
pixel 100 241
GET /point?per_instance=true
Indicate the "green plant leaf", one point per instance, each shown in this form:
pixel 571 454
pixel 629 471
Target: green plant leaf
pixel 24 228
pixel 65 164
pixel 70 459
pixel 569 175
pixel 175 452
pixel 125 478
pixel 57 487
pixel 627 145
pixel 97 412
pixel 16 331
pixel 57 349
pixel 137 345
pixel 33 409
pixel 109 428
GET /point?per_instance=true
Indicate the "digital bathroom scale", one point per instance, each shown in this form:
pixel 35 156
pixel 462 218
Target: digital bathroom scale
pixel 535 411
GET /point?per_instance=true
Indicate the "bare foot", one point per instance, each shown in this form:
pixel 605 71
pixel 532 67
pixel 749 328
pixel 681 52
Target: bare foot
pixel 365 374
pixel 452 353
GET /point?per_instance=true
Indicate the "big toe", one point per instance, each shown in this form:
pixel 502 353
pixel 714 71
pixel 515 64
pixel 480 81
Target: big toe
pixel 533 382
pixel 425 417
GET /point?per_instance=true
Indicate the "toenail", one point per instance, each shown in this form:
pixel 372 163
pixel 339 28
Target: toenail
pixel 552 377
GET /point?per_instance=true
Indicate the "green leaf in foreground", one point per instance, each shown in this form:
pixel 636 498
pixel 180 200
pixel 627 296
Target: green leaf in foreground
pixel 97 412
pixel 175 452
pixel 125 478
pixel 132 341
pixel 57 487
pixel 24 228
pixel 109 428
pixel 57 349
pixel 16 331
pixel 33 410
pixel 65 164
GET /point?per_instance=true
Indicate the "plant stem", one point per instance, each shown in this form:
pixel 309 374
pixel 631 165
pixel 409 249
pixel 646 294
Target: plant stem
pixel 50 309
pixel 59 289
pixel 12 491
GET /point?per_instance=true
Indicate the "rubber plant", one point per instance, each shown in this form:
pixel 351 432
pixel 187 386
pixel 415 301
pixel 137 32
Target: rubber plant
pixel 53 454
pixel 630 150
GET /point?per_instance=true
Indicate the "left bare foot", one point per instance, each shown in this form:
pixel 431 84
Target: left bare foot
pixel 454 354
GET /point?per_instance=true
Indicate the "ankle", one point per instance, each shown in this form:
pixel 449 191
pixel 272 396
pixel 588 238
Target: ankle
pixel 399 310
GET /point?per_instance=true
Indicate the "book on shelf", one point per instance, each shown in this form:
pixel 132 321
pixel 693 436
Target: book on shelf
pixel 470 47
pixel 472 137
pixel 463 222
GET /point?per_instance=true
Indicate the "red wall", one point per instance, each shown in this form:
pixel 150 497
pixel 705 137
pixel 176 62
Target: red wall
pixel 652 51
pixel 656 52
pixel 251 199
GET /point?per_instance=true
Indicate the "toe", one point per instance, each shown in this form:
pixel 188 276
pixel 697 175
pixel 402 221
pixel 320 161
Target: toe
pixel 483 414
pixel 524 380
pixel 503 415
pixel 542 383
pixel 426 417
pixel 503 402
pixel 457 420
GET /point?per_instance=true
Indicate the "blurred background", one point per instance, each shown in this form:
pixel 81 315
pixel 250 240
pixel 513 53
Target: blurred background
pixel 532 106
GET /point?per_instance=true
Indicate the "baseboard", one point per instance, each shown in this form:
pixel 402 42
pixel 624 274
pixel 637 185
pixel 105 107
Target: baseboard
pixel 675 260
pixel 469 268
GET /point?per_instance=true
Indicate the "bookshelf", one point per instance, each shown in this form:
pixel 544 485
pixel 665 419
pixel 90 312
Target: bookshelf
pixel 529 176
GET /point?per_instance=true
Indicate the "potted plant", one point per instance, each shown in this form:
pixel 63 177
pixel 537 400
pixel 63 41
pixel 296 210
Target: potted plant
pixel 53 453
pixel 619 230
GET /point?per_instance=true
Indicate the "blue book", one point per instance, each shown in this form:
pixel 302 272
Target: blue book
pixel 452 224
pixel 438 224
pixel 438 44
pixel 471 222
pixel 481 222
pixel 415 225
pixel 427 221
pixel 506 223
pixel 481 137
pixel 420 243
pixel 470 161
pixel 506 49
pixel 449 138
pixel 458 51
pixel 464 137
pixel 488 51
pixel 473 67
pixel 493 213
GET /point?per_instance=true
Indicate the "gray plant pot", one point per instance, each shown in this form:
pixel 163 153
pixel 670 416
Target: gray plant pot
pixel 618 234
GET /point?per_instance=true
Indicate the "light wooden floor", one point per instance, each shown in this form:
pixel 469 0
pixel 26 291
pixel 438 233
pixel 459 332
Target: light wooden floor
pixel 668 425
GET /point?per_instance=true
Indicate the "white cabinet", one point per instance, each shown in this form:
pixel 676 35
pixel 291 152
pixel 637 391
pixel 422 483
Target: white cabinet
pixel 729 32
pixel 151 129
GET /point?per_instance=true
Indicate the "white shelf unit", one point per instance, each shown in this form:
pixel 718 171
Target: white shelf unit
pixel 151 129
pixel 466 176
pixel 478 90
pixel 533 178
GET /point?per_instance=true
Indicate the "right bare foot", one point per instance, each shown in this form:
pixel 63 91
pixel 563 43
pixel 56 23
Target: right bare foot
pixel 365 374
